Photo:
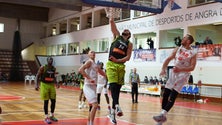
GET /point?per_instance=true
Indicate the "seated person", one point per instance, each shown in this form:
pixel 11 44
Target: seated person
pixel 151 80
pixel 207 41
pixel 146 80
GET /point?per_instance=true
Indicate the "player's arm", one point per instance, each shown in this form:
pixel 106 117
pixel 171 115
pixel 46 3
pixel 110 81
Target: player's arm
pixel 130 79
pixel 55 79
pixel 167 61
pixel 114 28
pixel 101 72
pixel 138 80
pixel 86 65
pixel 40 71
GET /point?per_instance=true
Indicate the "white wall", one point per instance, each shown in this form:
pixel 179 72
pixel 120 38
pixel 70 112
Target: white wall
pixel 8 34
pixel 30 31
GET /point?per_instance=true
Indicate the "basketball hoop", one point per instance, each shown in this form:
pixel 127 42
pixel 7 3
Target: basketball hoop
pixel 113 12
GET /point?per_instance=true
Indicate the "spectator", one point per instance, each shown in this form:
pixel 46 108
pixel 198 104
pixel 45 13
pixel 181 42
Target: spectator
pixel 140 47
pixel 151 80
pixel 207 41
pixel 178 41
pixel 146 80
pixel 190 81
pixel 160 81
pixel 155 80
pixel 150 42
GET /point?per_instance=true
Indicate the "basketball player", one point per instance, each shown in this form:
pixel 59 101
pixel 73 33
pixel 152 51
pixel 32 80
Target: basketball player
pixel 185 62
pixel 102 87
pixel 47 79
pixel 120 52
pixel 89 71
pixel 82 98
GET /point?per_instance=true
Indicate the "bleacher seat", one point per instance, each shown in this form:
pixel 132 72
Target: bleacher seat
pixel 184 90
pixel 191 90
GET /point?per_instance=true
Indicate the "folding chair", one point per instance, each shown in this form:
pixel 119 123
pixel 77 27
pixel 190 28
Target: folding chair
pixel 27 78
pixel 32 78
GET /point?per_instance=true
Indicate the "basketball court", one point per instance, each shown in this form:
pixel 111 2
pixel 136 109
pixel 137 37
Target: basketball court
pixel 21 105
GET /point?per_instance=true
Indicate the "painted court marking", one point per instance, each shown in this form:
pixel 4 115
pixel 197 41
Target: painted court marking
pixel 98 121
pixel 10 98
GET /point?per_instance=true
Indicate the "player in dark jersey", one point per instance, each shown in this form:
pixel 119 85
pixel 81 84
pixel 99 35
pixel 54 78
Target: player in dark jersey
pixel 120 52
pixel 46 74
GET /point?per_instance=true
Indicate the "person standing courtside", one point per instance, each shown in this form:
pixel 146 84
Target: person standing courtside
pixel 185 62
pixel 47 89
pixel 90 71
pixel 134 81
pixel 120 52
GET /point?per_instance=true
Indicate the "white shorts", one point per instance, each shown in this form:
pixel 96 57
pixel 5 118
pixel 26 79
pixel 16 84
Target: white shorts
pixel 90 93
pixel 177 80
pixel 101 89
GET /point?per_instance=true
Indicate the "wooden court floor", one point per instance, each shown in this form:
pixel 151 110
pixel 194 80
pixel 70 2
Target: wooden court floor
pixel 21 105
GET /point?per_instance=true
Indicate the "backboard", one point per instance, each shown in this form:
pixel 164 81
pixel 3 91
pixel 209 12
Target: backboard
pixel 152 6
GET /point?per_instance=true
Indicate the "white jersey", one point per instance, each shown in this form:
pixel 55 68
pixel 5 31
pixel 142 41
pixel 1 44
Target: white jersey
pixel 101 83
pixel 89 88
pixel 92 72
pixel 182 59
pixel 101 79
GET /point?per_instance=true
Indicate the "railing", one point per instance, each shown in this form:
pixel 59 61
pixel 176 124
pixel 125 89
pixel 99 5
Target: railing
pixel 211 90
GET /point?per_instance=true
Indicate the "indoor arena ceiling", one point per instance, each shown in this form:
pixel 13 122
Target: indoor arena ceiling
pixel 35 9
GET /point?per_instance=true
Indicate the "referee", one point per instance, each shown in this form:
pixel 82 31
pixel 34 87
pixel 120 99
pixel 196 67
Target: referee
pixel 134 81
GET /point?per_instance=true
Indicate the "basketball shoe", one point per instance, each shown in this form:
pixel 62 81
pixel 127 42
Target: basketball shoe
pixel 112 117
pixel 160 118
pixel 53 118
pixel 119 111
pixel 47 120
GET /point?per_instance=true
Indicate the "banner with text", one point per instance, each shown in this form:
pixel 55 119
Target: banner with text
pixel 141 55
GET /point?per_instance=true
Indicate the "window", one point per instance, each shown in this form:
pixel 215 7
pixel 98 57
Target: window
pixel 103 45
pixel 74 24
pixel 54 31
pixel 51 50
pixel 1 27
pixel 73 48
pixel 61 49
pixel 124 14
pixel 141 13
pixel 197 2
pixel 63 27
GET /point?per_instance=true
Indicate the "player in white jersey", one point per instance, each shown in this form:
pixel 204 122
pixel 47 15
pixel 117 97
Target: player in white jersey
pixel 102 87
pixel 90 71
pixel 185 62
